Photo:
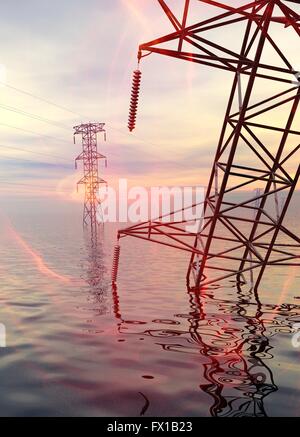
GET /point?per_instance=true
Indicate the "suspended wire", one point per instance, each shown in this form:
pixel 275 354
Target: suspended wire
pixel 33 152
pixel 42 99
pixel 54 164
pixel 78 114
pixel 43 189
pixel 19 149
pixel 38 118
pixel 35 133
pixel 33 116
pixel 51 122
pixel 42 136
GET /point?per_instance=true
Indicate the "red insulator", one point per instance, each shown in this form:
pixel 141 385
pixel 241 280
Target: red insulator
pixel 115 266
pixel 134 99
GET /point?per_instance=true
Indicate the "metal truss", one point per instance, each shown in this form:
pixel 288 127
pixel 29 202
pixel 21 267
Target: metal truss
pixel 241 230
pixel 91 180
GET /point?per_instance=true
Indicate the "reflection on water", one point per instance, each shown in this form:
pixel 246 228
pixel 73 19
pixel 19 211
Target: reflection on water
pixel 234 337
pixel 95 268
pixel 236 344
pixel 77 347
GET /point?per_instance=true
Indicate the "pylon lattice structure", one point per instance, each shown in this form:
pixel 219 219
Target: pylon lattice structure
pixel 91 180
pixel 240 234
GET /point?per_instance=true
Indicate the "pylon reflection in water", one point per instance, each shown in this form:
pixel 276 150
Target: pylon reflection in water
pixel 233 340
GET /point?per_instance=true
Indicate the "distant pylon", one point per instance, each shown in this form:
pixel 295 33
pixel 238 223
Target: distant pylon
pixel 91 180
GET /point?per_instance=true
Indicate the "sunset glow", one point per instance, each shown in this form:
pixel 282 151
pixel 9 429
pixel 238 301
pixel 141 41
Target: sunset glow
pixel 149 212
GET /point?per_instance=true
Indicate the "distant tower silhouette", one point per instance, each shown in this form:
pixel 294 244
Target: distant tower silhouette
pixel 91 180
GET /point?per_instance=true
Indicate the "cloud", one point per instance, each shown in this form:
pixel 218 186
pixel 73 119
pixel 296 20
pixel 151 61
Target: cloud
pixel 80 54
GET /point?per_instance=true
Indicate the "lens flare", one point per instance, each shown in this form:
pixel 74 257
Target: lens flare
pixel 38 260
pixel 287 284
pixel 136 13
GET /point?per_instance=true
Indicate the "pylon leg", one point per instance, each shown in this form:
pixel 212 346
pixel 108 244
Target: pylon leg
pixel 239 239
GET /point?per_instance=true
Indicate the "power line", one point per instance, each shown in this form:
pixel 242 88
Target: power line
pixel 33 152
pixel 30 94
pixel 42 99
pixel 9 158
pixel 32 116
pixel 35 133
pixel 51 122
pixel 47 189
pixel 42 136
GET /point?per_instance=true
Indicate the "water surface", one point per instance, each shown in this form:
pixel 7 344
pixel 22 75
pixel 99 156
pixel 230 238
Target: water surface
pixel 77 347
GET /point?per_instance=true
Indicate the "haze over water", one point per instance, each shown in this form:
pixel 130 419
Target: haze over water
pixel 77 347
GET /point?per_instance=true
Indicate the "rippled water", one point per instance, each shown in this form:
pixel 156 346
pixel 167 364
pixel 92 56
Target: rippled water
pixel 77 347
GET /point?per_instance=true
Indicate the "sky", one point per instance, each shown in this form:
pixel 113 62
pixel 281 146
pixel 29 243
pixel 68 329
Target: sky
pixel 80 54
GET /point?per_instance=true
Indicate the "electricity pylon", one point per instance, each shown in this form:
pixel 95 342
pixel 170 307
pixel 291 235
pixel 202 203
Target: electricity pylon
pixel 258 145
pixel 91 180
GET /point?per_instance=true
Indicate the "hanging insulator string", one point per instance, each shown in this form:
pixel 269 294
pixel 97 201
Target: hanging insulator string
pixel 137 74
pixel 115 266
